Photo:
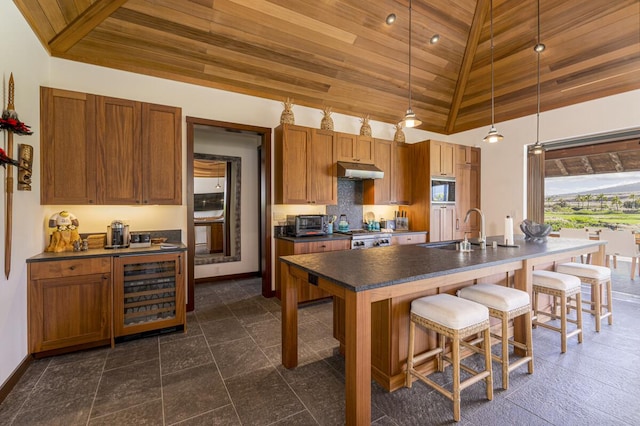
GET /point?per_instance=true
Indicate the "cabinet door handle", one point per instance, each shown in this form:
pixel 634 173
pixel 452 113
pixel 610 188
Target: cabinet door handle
pixel 179 264
pixel 457 223
pixel 72 267
pixel 323 246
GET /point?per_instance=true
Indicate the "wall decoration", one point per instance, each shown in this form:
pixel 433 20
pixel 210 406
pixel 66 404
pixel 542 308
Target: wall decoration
pixel 287 115
pixel 10 122
pixel 365 130
pixel 399 135
pixel 25 164
pixel 327 121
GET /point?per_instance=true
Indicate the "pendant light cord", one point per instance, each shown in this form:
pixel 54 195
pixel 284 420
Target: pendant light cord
pixel 410 13
pixel 491 30
pixel 538 82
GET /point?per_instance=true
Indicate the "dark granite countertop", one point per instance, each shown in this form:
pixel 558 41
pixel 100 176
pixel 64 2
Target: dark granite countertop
pixel 408 232
pixel 359 270
pixel 69 255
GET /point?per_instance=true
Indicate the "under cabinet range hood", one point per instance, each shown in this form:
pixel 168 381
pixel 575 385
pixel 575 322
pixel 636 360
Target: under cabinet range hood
pixel 358 171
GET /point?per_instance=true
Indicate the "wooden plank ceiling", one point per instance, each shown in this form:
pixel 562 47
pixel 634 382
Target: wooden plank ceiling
pixel 342 54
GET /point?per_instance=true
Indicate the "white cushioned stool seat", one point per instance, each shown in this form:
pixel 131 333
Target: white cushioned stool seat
pixel 566 288
pixel 450 311
pixel 505 304
pixel 451 318
pixel 495 296
pixel 584 270
pixel 555 280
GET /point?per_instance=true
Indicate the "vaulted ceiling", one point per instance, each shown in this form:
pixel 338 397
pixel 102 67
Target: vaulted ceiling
pixel 341 53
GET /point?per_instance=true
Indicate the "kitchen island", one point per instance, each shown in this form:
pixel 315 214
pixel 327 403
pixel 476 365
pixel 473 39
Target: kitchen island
pixel 368 283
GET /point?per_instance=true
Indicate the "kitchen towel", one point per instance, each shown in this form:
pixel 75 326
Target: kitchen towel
pixel 508 231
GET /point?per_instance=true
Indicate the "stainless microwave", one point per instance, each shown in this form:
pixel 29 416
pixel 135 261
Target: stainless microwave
pixel 307 225
pixel 443 190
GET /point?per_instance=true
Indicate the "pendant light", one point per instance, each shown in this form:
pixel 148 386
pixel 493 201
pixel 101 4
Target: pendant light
pixel 538 48
pixel 410 119
pixel 493 136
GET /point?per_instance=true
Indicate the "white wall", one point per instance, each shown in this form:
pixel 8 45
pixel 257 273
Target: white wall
pixel 504 163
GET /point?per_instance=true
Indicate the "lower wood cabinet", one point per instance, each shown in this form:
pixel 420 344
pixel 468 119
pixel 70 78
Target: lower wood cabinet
pixel 148 293
pixel 85 302
pixel 443 219
pixel 416 238
pixel 286 248
pixel 69 304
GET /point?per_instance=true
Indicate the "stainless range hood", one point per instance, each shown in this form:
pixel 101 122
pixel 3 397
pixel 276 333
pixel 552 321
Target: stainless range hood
pixel 358 171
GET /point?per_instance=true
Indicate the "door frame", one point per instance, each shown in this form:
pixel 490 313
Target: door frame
pixel 264 202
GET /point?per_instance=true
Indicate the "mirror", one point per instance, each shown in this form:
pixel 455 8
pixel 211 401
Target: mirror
pixel 216 208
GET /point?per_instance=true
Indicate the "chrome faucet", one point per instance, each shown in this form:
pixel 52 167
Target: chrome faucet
pixel 483 235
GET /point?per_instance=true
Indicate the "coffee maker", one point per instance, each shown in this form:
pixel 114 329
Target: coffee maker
pixel 117 235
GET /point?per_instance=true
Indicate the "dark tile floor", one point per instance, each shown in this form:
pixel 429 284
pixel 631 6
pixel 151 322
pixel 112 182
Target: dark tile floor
pixel 226 371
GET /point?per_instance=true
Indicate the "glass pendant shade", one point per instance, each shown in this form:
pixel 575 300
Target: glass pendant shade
pixel 493 136
pixel 537 148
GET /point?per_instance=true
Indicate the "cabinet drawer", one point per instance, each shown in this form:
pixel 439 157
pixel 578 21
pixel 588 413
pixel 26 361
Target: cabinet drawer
pixel 69 268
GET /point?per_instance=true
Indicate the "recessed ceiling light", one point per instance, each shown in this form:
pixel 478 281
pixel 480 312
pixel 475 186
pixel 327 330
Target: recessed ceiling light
pixel 434 39
pixel 391 18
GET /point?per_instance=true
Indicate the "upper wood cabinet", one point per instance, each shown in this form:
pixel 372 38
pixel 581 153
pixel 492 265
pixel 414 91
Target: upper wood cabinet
pixel 67 147
pixel 395 187
pixel 118 151
pixel 355 148
pixel 305 164
pixel 442 158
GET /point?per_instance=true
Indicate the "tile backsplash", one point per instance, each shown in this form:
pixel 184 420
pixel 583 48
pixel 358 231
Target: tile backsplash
pixel 349 203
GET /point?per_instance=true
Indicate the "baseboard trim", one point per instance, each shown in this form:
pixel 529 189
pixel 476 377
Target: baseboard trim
pixel 13 379
pixel 228 277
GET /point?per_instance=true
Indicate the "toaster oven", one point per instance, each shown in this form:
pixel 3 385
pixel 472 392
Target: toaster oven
pixel 307 225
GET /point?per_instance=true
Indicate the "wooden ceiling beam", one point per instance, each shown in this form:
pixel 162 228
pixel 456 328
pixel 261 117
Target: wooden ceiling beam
pixel 479 17
pixel 561 167
pixel 616 161
pixel 601 148
pixel 587 165
pixel 93 16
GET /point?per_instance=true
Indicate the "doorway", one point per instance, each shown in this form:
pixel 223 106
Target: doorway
pixel 264 194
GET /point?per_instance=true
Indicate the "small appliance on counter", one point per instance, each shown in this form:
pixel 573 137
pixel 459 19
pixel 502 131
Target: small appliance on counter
pixel 117 235
pixel 140 240
pixel 307 225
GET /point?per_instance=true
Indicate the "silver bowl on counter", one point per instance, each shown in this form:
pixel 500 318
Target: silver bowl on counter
pixel 534 231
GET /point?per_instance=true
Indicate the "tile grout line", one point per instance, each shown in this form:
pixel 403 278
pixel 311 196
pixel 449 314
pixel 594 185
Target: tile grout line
pixel 95 394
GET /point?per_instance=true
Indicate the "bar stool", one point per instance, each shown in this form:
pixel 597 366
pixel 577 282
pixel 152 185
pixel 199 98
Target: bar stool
pixel 455 318
pixel 565 287
pixel 597 276
pixel 505 304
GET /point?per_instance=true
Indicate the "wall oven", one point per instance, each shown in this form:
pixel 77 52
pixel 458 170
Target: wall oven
pixel 443 190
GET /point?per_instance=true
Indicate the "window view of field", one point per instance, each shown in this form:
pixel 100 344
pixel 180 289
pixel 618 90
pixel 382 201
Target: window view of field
pixel 593 201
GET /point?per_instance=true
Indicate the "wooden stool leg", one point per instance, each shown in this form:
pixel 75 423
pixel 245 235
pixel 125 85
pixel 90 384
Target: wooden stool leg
pixel 529 339
pixel 534 303
pixel 505 352
pixel 596 296
pixel 579 315
pixel 455 359
pixel 563 322
pixel 442 341
pixel 412 334
pixel 609 302
pixel 487 363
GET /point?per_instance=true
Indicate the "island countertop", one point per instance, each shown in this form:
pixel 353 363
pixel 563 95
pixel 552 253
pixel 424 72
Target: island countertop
pixel 359 270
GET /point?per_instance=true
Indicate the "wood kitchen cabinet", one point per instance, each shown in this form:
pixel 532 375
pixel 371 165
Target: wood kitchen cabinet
pixel 395 187
pixel 355 148
pixel 305 164
pixel 442 158
pixel 67 147
pixel 69 304
pixel 148 293
pixel 102 150
pixel 286 247
pixel 467 191
pixel 416 238
pixel 443 218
